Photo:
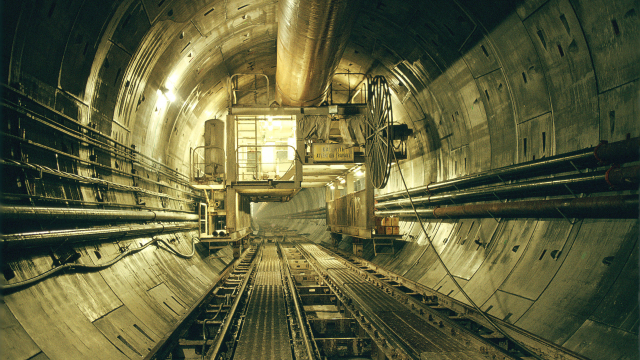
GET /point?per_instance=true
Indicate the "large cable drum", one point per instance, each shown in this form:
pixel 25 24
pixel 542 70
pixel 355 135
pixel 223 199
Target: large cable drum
pixel 379 139
pixel 214 147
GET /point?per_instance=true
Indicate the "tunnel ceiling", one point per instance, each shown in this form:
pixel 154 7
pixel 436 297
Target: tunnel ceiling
pixel 472 78
pixel 465 75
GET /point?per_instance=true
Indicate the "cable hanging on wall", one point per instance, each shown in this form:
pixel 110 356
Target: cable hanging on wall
pixel 76 267
pixel 449 274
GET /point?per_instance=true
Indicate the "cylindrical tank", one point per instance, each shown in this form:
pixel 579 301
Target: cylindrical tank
pixel 214 147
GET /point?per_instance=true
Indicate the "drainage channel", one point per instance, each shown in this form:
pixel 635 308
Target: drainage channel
pixel 399 327
pixel 205 330
pixel 453 317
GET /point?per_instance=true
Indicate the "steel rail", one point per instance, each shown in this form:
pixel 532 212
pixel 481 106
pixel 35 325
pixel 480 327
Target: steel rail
pixel 480 342
pixel 192 313
pixel 458 306
pixel 312 351
pixel 450 275
pixel 392 351
pixel 213 350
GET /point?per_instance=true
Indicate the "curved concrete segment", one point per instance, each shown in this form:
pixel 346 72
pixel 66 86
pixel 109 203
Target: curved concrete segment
pixel 103 101
pixel 120 312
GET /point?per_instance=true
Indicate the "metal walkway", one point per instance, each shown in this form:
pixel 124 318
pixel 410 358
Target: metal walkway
pixel 265 333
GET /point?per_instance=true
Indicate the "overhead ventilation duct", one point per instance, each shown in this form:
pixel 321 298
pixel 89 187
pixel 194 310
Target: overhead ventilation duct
pixel 312 36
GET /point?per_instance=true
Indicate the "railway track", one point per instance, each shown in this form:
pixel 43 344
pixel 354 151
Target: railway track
pixel 392 323
pixel 302 301
pixel 210 326
pixel 453 316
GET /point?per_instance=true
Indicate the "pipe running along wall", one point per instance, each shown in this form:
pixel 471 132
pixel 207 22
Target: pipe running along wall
pixel 604 153
pixel 621 178
pixel 51 213
pixel 48 238
pixel 602 207
pixel 312 36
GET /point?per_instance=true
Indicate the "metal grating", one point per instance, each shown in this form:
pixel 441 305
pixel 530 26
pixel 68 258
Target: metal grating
pixel 265 333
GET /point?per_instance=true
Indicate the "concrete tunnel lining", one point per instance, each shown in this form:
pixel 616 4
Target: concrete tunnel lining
pixel 483 84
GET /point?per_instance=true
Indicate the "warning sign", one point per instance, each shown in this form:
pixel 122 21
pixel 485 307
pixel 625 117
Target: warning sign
pixel 332 153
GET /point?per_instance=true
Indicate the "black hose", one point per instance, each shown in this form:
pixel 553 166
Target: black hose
pixel 104 265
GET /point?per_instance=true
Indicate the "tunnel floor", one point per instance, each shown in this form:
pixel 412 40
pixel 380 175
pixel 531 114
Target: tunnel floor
pixel 303 301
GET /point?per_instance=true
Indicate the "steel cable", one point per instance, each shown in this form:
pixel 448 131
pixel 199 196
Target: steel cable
pixel 104 265
pixel 450 275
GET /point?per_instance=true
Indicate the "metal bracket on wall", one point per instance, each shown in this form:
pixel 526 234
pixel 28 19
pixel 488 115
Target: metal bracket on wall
pixel 494 218
pixel 575 167
pixel 569 221
pixel 572 193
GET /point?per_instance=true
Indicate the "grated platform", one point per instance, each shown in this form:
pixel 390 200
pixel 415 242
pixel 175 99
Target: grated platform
pixel 265 333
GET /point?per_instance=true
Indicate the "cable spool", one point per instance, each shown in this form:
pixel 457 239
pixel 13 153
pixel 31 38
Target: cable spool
pixel 379 137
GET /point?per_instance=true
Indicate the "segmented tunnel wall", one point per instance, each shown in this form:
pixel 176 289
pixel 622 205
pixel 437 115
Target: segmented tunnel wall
pixel 474 79
pixel 549 78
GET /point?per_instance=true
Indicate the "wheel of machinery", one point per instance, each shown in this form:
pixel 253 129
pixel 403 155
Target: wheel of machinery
pixel 379 143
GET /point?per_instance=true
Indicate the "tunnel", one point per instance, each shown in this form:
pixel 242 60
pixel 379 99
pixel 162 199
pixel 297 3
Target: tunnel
pixel 511 183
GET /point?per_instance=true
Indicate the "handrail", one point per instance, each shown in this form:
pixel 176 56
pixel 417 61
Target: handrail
pixel 364 82
pixel 193 164
pixel 256 160
pixel 232 91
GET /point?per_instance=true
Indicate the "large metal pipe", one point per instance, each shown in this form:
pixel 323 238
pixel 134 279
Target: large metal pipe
pixel 603 207
pixel 69 214
pixel 50 238
pixel 619 177
pixel 312 35
pixel 617 152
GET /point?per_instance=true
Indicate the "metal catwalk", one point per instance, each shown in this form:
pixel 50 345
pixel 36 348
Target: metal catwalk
pixel 265 333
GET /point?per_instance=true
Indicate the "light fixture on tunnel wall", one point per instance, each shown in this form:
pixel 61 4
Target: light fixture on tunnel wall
pixel 359 172
pixel 342 181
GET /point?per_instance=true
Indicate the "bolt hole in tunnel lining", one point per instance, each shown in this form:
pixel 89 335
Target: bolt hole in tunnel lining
pixel 484 51
pixel 616 28
pixel 8 272
pixel 542 255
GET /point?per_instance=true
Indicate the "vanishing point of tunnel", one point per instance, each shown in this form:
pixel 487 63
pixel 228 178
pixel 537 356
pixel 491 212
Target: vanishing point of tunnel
pixel 319 179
